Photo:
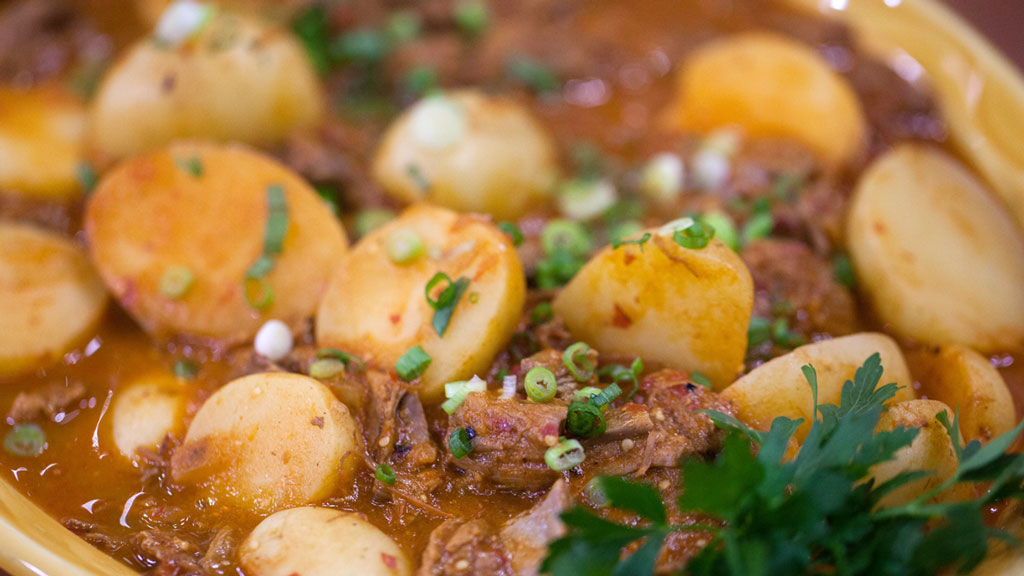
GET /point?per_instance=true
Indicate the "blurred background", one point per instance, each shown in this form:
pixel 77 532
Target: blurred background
pixel 1002 21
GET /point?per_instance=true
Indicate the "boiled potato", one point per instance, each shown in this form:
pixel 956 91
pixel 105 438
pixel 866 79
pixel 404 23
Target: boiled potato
pixel 237 80
pixel 965 380
pixel 320 542
pixel 687 309
pixel 145 411
pixel 269 441
pixel 50 297
pixel 932 450
pixel 376 307
pixel 778 387
pixel 200 211
pixel 41 143
pixel 770 86
pixel 941 260
pixel 469 152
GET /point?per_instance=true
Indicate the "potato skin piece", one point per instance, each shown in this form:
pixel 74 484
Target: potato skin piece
pixel 238 80
pixel 269 441
pixel 965 380
pixel 778 387
pixel 770 86
pixel 505 164
pixel 51 298
pixel 320 542
pixel 687 309
pixel 150 214
pixel 940 259
pixel 377 309
pixel 42 134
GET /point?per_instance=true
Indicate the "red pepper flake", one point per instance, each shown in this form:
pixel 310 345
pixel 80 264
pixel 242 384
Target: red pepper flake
pixel 396 318
pixel 390 561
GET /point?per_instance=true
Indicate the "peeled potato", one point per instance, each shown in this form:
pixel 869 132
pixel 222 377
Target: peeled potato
pixel 469 152
pixel 932 450
pixel 237 80
pixel 50 297
pixel 770 86
pixel 146 411
pixel 377 308
pixel 269 441
pixel 778 387
pixel 687 309
pixel 941 260
pixel 965 380
pixel 152 215
pixel 320 542
pixel 41 143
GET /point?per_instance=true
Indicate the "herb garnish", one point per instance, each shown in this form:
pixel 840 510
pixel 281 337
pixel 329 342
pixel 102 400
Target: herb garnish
pixel 815 514
pixel 258 293
pixel 446 300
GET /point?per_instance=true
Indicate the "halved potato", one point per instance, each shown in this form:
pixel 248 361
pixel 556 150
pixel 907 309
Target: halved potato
pixel 965 380
pixel 941 260
pixel 201 210
pixel 469 152
pixel 932 450
pixel 146 410
pixel 41 143
pixel 687 309
pixel 778 387
pixel 320 542
pixel 269 441
pixel 50 297
pixel 771 86
pixel 377 308
pixel 237 80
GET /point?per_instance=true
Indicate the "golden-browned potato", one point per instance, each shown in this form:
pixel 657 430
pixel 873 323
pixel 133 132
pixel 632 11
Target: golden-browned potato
pixel 687 309
pixel 932 450
pixel 376 305
pixel 778 387
pixel 280 10
pixel 770 86
pixel 146 411
pixel 269 441
pixel 195 216
pixel 941 260
pixel 965 380
pixel 41 142
pixel 236 80
pixel 50 297
pixel 320 542
pixel 469 152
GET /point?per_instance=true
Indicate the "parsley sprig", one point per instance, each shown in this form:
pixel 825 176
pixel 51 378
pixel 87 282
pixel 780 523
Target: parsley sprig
pixel 817 513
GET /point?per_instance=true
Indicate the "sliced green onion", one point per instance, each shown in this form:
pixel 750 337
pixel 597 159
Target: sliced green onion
pixel 538 77
pixel 620 374
pixel 557 269
pixel 564 455
pixel 604 399
pixel 586 393
pixel 785 337
pixel 311 28
pixel 456 393
pixel 404 25
pixel 369 220
pixel 512 231
pixel 413 363
pixel 192 165
pixel 700 379
pixel 459 443
pixel 542 313
pixel 578 362
pixel 404 246
pixel 541 384
pixel 662 177
pixel 349 360
pixel 420 81
pixel 446 301
pixel 257 291
pixel 176 282
pixel 471 16
pixel 86 176
pixel 26 440
pixel 585 420
pixel 385 473
pixel 185 369
pixel 586 199
pixel 759 226
pixel 326 368
pixel 565 235
pixel 364 46
pixel 842 270
pixel 330 198
pixel 259 295
pixel 595 493
pixel 695 236
pixel 724 228
pixel 620 234
pixel 758 332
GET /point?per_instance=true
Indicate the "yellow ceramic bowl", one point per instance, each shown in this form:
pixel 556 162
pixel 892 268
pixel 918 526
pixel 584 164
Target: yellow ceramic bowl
pixel 982 98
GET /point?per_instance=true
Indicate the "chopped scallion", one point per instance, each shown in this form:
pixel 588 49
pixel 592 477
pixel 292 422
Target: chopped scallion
pixel 456 393
pixel 471 16
pixel 724 228
pixel 459 443
pixel 413 363
pixel 512 231
pixel 759 331
pixel 542 313
pixel 577 361
pixel 326 368
pixel 694 237
pixel 759 226
pixel 586 198
pixel 564 455
pixel 446 301
pixel 369 220
pixel 700 379
pixel 559 235
pixel 538 77
pixel 404 246
pixel 541 385
pixel 585 420
pixel 385 473
pixel 185 369
pixel 193 165
pixel 404 26
pixel 176 282
pixel 25 440
pixel 257 291
pixel 86 176
pixel 842 270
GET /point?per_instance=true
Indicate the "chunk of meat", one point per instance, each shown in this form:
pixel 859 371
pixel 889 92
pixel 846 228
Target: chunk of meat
pixel 459 547
pixel 526 537
pixel 169 554
pixel 50 400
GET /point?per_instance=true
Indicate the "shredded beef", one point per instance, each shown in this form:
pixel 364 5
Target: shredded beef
pixel 49 401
